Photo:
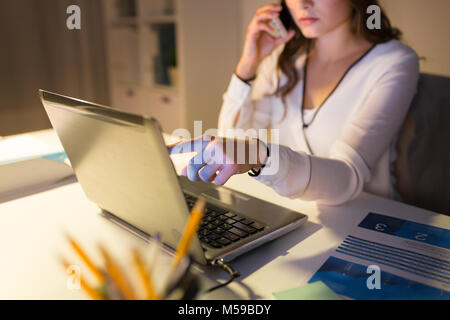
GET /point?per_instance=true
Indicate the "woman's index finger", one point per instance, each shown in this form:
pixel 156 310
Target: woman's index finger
pixel 194 145
pixel 270 7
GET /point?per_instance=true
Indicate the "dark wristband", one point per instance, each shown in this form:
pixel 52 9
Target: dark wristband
pixel 247 81
pixel 256 172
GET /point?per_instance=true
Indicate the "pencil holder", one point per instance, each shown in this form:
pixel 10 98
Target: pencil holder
pixel 184 285
pixel 112 283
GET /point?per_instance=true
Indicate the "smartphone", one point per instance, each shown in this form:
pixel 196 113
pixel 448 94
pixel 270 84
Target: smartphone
pixel 281 24
pixel 285 16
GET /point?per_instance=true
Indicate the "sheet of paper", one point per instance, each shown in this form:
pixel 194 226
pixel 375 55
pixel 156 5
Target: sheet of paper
pixel 312 291
pixel 27 177
pixel 390 258
pixel 24 147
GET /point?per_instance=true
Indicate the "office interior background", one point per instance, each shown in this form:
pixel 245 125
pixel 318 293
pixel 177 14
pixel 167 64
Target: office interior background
pixel 173 59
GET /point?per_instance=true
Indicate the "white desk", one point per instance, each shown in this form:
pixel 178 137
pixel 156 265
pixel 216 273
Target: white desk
pixel 31 235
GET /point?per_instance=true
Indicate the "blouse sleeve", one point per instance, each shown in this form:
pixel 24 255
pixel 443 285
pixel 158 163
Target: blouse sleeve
pixel 368 134
pixel 250 106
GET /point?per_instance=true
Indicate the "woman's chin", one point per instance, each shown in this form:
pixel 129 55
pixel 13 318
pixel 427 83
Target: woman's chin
pixel 310 33
pixel 307 36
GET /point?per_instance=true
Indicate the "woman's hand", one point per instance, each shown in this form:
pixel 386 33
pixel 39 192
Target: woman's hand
pixel 259 43
pixel 219 158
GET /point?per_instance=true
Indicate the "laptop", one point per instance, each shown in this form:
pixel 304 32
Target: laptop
pixel 122 164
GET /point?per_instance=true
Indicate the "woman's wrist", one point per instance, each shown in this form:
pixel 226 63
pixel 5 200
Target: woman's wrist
pixel 247 81
pixel 246 71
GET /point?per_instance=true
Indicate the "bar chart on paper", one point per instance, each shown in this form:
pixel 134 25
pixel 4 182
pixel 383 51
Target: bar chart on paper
pixel 413 259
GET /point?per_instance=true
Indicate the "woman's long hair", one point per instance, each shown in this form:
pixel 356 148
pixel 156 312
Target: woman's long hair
pixel 286 60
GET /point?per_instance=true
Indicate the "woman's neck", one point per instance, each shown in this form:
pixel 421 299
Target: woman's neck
pixel 337 44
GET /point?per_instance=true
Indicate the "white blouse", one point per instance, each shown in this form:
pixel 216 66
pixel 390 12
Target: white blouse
pixel 352 136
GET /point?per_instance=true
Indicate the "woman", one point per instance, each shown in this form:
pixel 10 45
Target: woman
pixel 337 93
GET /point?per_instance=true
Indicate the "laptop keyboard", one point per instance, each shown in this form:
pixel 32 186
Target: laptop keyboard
pixel 220 227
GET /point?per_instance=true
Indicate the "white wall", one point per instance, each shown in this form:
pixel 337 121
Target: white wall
pixel 209 35
pixel 248 10
pixel 426 29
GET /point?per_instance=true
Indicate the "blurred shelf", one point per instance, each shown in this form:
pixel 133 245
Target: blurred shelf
pixel 159 63
pixel 159 19
pixel 147 20
pixel 128 84
pixel 134 21
pixel 161 88
pixel 155 88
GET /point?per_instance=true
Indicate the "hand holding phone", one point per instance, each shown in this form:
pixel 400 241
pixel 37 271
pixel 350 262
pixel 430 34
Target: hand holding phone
pixel 279 29
pixel 265 33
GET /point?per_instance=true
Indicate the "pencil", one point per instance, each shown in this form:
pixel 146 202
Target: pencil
pixel 97 273
pixel 91 292
pixel 116 276
pixel 145 278
pixel 189 232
